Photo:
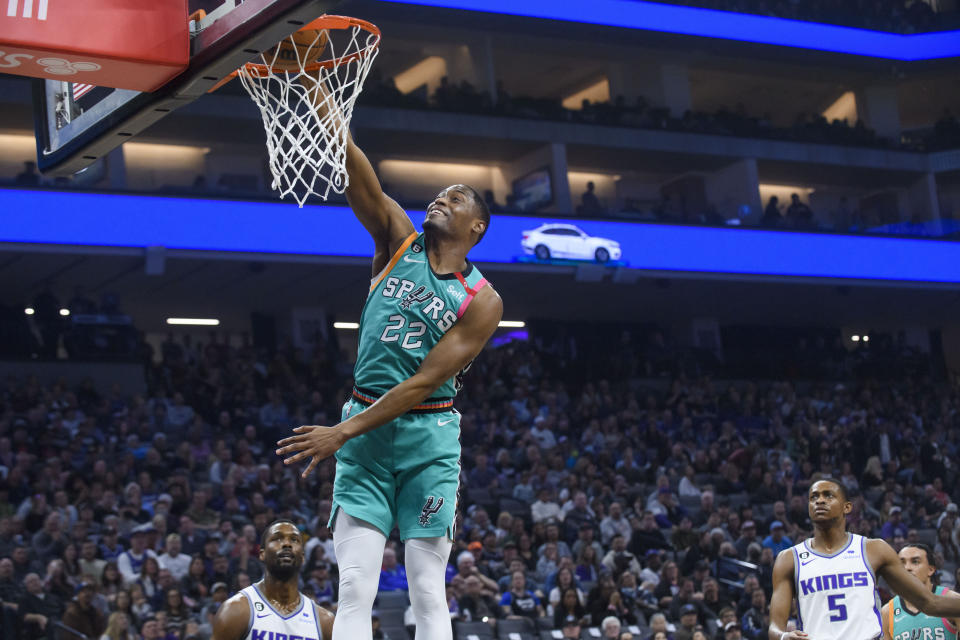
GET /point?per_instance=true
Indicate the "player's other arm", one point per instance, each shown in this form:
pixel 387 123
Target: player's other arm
pixel 782 599
pixel 232 621
pixel 453 352
pixel 887 564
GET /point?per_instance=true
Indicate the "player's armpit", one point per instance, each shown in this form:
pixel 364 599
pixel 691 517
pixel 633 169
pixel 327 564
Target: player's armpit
pixel 232 621
pixel 783 594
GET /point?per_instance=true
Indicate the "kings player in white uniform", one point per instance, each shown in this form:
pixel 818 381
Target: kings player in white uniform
pixel 274 609
pixel 833 577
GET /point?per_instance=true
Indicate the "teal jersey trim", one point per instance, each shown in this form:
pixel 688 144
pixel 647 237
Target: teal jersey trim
pixel 919 626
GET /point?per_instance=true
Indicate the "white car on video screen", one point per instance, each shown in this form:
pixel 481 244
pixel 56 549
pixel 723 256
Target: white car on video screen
pixel 568 241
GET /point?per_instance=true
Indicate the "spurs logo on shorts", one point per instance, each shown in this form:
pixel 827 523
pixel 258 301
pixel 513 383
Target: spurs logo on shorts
pixel 429 510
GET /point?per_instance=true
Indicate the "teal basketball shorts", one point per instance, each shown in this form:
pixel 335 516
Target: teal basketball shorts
pixel 404 473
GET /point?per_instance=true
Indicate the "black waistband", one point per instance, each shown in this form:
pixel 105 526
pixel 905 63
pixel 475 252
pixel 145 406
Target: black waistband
pixel 432 405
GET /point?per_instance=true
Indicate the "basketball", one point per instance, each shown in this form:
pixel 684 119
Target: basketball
pixel 301 48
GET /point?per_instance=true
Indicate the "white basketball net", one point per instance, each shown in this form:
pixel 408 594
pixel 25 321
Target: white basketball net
pixel 307 145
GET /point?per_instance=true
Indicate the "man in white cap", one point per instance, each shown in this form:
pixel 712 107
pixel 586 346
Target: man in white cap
pixel 130 561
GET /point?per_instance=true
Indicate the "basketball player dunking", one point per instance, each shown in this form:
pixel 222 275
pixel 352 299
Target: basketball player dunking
pixel 428 314
pixel 274 608
pixel 834 577
pixel 901 619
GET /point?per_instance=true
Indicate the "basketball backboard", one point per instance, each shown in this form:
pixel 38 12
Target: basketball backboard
pixel 76 124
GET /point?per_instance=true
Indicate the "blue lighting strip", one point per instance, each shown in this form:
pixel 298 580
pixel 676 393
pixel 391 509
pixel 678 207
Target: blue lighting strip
pixel 694 21
pixel 79 218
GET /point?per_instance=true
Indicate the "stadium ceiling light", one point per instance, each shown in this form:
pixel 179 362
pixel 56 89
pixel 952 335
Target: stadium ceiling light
pixel 195 322
pixel 855 338
pixel 64 312
pixel 346 325
pixel 29 311
pixel 866 338
pixel 518 324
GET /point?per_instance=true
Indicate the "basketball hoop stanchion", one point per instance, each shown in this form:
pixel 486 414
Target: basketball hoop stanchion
pixel 306 88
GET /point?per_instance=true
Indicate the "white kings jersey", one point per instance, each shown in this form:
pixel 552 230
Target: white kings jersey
pixel 837 594
pixel 266 623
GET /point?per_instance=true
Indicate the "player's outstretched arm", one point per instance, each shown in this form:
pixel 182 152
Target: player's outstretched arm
pixel 453 352
pixel 383 218
pixel 887 563
pixel 232 621
pixel 782 599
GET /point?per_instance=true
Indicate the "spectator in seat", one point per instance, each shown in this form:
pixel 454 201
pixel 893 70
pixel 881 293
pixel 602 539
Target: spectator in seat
pixel 467 566
pixel 131 562
pixel 37 608
pixel 393 575
pixel 771 214
pixel 118 627
pixel 518 602
pixel 777 541
pixel 477 603
pixel 570 604
pixel 585 539
pixel 590 204
pixel 688 621
pixel 799 215
pixel 172 560
pixel 894 526
pixel 658 626
pixel 618 559
pixel 647 536
pixel 748 536
pixel 610 628
pixel 570 628
pixel 756 619
pixel 545 508
pixel 82 615
pixel 614 523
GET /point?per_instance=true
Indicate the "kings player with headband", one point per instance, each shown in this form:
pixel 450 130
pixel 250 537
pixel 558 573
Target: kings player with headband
pixel 901 619
pixel 428 313
pixel 274 608
pixel 834 577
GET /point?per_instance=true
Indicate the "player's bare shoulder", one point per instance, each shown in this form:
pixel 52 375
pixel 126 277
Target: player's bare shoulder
pixel 232 621
pixel 325 621
pixel 487 304
pixel 879 553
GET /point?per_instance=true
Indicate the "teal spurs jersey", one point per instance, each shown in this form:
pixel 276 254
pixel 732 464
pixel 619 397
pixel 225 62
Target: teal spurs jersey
pixel 918 626
pixel 409 308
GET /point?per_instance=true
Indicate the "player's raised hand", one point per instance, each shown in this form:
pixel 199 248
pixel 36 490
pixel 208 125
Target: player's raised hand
pixel 312 441
pixel 795 635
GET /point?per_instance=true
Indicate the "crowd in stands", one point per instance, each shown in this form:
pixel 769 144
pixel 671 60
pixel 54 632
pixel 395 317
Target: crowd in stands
pixel 592 496
pixel 463 97
pixel 906 16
